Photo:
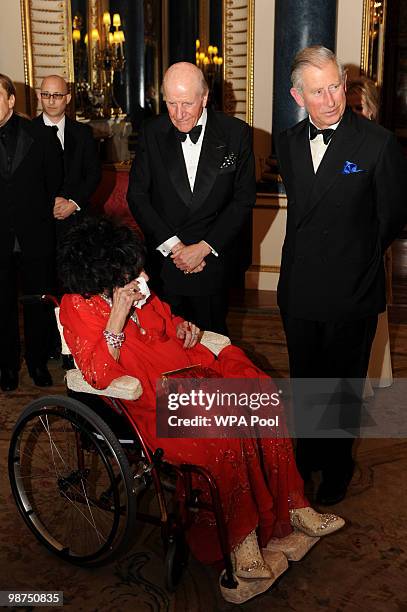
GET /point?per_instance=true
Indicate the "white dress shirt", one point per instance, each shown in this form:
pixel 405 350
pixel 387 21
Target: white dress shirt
pixel 318 147
pixel 60 125
pixel 191 152
pixel 61 135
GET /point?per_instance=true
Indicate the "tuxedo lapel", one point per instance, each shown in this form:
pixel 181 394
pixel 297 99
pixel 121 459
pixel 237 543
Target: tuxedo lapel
pixel 212 153
pixel 24 142
pixel 302 167
pixel 171 151
pixel 69 144
pixel 343 144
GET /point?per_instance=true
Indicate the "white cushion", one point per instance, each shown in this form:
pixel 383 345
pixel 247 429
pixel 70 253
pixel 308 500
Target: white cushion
pixel 124 387
pixel 214 342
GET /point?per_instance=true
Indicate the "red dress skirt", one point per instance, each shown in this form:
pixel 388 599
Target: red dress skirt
pixel 257 479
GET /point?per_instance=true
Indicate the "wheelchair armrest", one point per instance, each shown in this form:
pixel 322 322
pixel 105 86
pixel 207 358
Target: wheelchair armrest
pixel 124 387
pixel 214 342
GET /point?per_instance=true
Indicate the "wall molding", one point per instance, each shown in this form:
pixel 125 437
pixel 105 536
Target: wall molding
pixel 47 44
pixel 238 54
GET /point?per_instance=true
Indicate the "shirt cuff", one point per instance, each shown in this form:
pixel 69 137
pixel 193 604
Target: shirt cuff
pixel 73 202
pixel 212 250
pixel 165 247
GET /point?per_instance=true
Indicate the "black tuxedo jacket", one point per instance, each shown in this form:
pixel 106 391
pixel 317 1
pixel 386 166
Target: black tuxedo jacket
pixel 27 194
pixel 224 194
pixel 339 224
pixel 82 170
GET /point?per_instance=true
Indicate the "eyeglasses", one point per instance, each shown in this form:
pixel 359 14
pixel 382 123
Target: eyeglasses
pixel 45 95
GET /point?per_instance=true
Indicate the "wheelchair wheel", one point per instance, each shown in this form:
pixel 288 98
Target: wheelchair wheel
pixel 72 482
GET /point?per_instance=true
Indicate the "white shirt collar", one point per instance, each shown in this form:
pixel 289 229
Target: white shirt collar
pixel 331 127
pixel 203 118
pixel 60 125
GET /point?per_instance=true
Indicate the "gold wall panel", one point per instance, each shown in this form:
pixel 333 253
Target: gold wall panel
pixel 47 42
pixel 238 47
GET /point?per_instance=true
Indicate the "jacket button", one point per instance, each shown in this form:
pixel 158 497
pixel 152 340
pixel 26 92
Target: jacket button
pixel 325 232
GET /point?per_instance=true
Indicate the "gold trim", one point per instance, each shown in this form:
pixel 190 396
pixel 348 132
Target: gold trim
pixel 250 63
pixel 204 10
pixel 32 62
pixel 369 34
pixel 28 57
pixel 264 268
pixel 238 56
pixel 69 50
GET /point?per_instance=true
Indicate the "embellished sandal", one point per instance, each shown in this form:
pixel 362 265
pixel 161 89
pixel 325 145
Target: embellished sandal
pixel 248 561
pixel 313 523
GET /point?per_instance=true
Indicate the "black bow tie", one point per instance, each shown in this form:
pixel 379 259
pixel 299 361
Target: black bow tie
pixel 194 134
pixel 326 134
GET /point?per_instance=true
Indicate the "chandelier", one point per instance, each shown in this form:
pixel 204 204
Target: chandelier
pixel 95 66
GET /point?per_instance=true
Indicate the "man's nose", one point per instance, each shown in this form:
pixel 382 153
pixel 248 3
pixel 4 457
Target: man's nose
pixel 329 98
pixel 179 112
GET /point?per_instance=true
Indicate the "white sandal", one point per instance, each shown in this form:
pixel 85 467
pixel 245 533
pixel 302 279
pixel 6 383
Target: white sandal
pixel 313 523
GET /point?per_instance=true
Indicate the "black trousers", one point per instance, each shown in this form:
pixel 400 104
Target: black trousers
pixel 337 350
pixel 207 311
pixel 32 276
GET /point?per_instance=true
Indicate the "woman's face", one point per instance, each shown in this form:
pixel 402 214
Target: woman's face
pixel 358 104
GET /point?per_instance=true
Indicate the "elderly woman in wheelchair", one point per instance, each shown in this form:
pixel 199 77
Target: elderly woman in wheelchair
pixel 115 329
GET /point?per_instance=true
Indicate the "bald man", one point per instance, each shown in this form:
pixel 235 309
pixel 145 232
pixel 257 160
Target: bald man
pixel 81 159
pixel 192 189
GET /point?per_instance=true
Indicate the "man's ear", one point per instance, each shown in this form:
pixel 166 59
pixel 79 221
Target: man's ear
pixel 297 97
pixel 39 96
pixel 68 98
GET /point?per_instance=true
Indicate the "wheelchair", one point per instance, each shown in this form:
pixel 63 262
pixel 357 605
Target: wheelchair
pixel 79 469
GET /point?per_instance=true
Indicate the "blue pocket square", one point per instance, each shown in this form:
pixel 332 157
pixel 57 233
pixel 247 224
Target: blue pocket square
pixel 350 168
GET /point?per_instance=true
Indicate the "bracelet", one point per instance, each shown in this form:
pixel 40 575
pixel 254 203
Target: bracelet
pixel 112 339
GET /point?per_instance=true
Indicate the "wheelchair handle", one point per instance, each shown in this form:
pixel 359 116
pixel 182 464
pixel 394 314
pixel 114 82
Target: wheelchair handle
pixel 38 299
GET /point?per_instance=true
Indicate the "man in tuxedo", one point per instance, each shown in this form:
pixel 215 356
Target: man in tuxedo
pixel 346 186
pixel 82 171
pixel 30 176
pixel 191 189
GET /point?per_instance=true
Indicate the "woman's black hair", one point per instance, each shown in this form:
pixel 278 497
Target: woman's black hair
pixel 96 255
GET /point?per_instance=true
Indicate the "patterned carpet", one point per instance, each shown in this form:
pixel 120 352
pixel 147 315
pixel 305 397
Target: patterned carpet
pixel 362 567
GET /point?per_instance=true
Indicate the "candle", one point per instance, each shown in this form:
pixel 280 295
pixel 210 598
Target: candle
pixel 106 18
pixel 116 20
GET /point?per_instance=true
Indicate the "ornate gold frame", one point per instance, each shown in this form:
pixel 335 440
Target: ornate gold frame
pixel 47 44
pixel 238 51
pixel 373 36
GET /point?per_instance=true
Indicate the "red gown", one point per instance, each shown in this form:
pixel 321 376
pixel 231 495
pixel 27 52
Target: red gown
pixel 257 479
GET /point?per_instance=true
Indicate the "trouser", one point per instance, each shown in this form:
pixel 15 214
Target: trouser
pixel 33 276
pixel 329 350
pixel 207 311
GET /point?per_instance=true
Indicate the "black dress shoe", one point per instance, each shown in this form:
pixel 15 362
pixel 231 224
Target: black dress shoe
pixel 332 489
pixel 41 376
pixel 8 379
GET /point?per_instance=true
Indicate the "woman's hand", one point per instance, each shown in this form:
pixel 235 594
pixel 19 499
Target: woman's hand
pixel 123 300
pixel 188 332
